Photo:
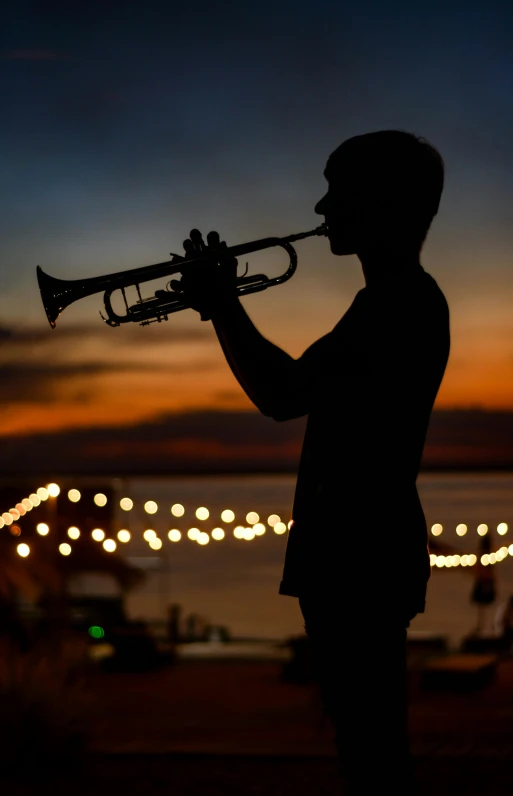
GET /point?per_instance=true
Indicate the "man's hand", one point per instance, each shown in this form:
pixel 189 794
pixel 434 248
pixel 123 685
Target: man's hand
pixel 210 283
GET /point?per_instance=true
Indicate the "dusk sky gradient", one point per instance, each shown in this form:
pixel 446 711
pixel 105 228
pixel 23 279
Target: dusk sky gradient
pixel 125 125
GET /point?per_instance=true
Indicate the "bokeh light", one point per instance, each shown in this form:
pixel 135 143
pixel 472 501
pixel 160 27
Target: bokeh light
pixel 177 510
pixel 124 535
pixel 7 518
pixel 64 549
pixel 15 530
pixel 149 534
pixel 100 499
pixel 126 503
pixel 174 535
pixel 482 529
pixel 248 534
pixel 227 515
pixel 502 528
pixel 15 514
pixel 151 507
pixel 109 545
pixel 96 631
pixel 202 513
pixel 54 490
pixel 252 517
pixel 74 495
pixel 461 529
pixel 203 538
pixel 259 528
pixel 28 504
pixel 98 535
pixel 218 534
pixel 280 527
pixel 485 559
pixel 23 550
pixel 193 534
pixel 273 519
pixel 436 529
pixel 35 499
pixel 73 532
pixel 42 528
pixel 155 543
pixel 238 532
pixel 43 493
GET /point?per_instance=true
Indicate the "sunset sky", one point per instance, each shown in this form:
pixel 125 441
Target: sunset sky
pixel 126 124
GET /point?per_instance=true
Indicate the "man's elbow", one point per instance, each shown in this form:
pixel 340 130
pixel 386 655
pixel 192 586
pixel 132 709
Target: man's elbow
pixel 283 412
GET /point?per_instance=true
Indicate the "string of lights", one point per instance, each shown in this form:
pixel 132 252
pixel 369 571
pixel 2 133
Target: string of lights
pixel 253 529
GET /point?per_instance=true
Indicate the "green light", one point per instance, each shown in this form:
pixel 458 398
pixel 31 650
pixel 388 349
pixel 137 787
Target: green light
pixel 96 632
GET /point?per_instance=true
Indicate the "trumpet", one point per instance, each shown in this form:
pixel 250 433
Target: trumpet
pixel 57 294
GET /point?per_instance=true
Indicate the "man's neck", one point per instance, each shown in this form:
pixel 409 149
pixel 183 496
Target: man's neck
pixel 388 266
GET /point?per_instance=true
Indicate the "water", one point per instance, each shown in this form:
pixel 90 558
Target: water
pixel 235 582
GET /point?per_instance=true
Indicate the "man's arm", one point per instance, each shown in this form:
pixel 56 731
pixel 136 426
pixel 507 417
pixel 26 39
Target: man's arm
pixel 278 385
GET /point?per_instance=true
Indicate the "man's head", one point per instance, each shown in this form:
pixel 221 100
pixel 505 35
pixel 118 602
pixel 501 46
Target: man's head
pixel 384 190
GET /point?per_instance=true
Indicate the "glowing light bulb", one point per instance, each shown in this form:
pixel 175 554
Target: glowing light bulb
pixel 202 513
pixel 74 495
pixel 42 528
pixel 155 544
pixel 174 535
pixel 177 510
pixel 124 536
pixel 23 550
pixel 126 504
pixel 227 515
pixel 109 545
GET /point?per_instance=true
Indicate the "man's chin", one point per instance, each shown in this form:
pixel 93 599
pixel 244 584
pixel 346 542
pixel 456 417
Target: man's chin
pixel 340 247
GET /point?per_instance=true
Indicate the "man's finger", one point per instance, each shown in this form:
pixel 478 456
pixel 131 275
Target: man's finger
pixel 213 240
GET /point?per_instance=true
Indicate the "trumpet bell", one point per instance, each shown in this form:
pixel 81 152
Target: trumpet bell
pixel 57 294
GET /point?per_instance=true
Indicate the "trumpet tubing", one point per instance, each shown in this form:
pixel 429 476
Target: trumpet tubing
pixel 57 294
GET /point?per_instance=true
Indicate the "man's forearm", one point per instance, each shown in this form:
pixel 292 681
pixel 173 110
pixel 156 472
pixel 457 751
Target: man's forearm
pixel 260 367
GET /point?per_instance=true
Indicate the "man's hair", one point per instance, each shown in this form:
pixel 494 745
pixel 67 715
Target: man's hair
pixel 407 171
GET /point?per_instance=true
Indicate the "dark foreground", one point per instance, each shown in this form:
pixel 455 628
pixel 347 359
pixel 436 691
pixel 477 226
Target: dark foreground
pixel 235 728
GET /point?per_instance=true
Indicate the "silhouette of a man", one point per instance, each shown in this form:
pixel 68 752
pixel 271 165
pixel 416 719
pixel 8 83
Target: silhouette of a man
pixel 357 553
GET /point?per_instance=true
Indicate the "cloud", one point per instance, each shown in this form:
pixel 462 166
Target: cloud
pixel 30 335
pixel 244 441
pixel 39 383
pixel 32 55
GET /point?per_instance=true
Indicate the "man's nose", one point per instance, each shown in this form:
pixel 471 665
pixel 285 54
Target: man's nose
pixel 320 207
